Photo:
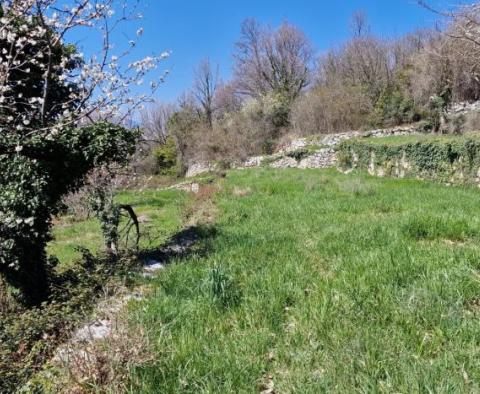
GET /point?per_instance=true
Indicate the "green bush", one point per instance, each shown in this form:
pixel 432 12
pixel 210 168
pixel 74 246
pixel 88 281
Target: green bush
pixel 42 164
pixel 450 159
pixel 394 108
pixel 166 157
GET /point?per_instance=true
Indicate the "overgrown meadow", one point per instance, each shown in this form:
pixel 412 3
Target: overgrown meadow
pixel 314 281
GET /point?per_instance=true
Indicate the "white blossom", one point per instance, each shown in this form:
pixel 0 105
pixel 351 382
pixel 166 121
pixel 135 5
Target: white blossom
pixel 103 88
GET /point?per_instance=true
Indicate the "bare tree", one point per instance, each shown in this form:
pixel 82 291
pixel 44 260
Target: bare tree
pixel 364 61
pixel 154 122
pixel 359 24
pixel 450 61
pixel 272 60
pixel 227 99
pixel 205 87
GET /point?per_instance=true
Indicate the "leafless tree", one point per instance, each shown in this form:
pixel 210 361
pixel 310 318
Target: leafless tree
pixel 154 121
pixel 363 61
pixel 227 99
pixel 448 63
pixel 359 24
pixel 272 60
pixel 205 87
pixel 407 47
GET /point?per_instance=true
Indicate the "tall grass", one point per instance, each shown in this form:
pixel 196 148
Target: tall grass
pixel 348 284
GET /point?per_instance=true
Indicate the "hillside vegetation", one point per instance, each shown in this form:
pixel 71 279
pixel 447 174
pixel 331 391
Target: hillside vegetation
pixel 448 159
pixel 267 270
pixel 281 87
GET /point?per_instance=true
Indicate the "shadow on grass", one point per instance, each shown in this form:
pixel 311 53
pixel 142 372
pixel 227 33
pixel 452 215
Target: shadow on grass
pixel 191 240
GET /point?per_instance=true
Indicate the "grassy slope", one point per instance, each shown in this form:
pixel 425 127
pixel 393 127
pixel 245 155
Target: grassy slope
pixel 161 213
pixel 343 284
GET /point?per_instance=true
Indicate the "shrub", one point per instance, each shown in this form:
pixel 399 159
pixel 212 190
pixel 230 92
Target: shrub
pixel 330 109
pixel 29 336
pixel 166 157
pixel 34 182
pixel 394 108
pixel 45 157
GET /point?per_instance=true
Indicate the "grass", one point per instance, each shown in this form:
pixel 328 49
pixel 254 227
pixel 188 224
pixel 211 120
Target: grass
pixel 316 281
pixel 159 212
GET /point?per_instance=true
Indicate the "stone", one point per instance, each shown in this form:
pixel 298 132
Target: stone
pixel 254 161
pixel 284 162
pixel 97 330
pixel 322 159
pixel 151 267
pixel 200 168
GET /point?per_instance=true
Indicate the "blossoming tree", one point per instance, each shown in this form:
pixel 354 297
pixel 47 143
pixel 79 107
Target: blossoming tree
pixel 56 112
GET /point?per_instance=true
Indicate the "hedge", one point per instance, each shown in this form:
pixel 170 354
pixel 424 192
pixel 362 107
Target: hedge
pixel 448 159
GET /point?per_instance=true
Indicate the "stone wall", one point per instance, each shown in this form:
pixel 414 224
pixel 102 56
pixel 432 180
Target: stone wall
pixel 452 160
pixel 322 157
pixel 319 151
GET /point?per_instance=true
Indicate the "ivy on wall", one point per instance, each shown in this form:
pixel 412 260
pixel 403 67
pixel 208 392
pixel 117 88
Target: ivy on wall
pixel 446 159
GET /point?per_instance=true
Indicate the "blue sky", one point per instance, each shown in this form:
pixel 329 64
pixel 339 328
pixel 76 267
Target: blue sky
pixel 197 29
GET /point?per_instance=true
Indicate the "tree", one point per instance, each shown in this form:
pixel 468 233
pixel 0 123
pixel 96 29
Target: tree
pixel 359 24
pixel 204 89
pixel 154 122
pixel 454 54
pixel 269 60
pixel 49 96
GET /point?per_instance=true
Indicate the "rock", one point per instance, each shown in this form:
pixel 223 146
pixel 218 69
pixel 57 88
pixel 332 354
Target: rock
pixel 294 145
pixel 254 161
pixel 97 330
pixel 143 219
pixel 463 108
pixel 323 158
pixel 151 267
pixel 193 187
pixel 200 168
pixel 284 162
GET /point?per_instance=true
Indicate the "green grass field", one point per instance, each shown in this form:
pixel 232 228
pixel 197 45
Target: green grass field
pixel 160 214
pixel 313 281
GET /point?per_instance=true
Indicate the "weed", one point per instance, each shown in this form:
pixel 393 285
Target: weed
pixel 222 288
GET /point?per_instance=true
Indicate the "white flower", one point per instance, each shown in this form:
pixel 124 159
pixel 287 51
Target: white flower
pixel 139 32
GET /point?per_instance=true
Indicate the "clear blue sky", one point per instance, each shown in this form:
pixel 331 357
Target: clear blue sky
pixel 195 29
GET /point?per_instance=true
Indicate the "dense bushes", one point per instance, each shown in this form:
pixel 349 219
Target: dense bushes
pixel 34 181
pixel 165 157
pixel 29 336
pixel 394 107
pixel 331 109
pixel 45 157
pixel 447 159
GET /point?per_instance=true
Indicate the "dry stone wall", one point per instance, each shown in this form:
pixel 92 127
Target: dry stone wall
pixel 313 152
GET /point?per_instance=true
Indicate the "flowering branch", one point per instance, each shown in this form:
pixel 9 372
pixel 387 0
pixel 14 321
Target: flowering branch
pixel 99 87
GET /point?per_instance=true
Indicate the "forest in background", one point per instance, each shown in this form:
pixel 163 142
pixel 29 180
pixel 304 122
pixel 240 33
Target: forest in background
pixel 280 86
